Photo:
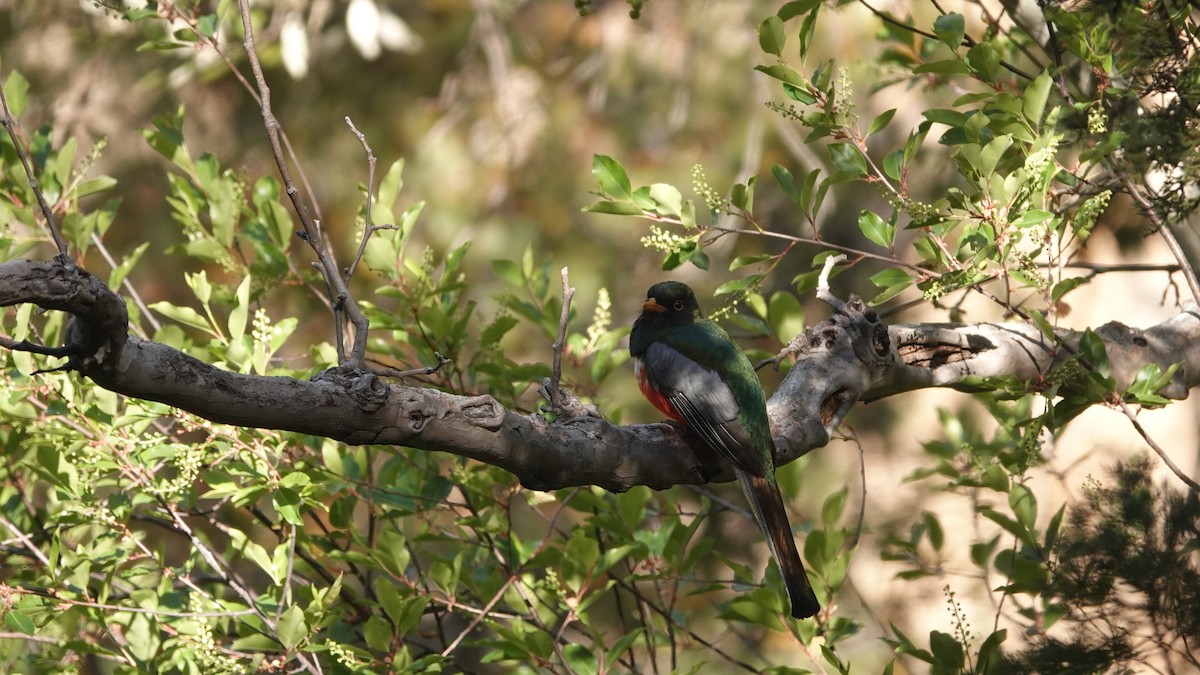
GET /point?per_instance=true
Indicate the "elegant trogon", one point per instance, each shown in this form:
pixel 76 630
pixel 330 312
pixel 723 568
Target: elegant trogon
pixel 692 371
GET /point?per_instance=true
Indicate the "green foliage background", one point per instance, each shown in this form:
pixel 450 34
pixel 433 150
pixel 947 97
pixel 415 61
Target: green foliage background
pixel 140 539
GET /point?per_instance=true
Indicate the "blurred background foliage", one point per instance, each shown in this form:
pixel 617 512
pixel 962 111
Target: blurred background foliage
pixel 487 117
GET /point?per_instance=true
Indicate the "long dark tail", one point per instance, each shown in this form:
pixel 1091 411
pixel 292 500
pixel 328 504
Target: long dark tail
pixel 767 505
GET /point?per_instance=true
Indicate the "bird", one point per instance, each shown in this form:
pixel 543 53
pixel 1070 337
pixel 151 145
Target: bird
pixel 690 369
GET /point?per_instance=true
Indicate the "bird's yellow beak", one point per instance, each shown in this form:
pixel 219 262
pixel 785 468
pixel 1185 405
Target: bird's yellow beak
pixel 651 305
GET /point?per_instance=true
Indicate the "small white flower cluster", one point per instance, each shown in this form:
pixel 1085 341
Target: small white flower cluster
pixel 1096 122
pixel 1089 212
pixel 711 197
pixel 207 653
pixel 1038 160
pixel 601 319
pixel 662 240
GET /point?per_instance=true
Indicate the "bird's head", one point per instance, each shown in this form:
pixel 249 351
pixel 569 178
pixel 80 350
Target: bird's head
pixel 670 302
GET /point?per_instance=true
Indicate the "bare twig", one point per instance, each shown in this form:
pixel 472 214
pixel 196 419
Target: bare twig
pixel 823 292
pixel 1165 232
pixel 285 594
pixel 13 128
pixel 29 545
pixel 34 348
pixel 368 228
pixel 134 610
pixel 967 40
pixel 343 303
pixel 412 372
pixel 127 285
pixel 552 385
pixel 1188 480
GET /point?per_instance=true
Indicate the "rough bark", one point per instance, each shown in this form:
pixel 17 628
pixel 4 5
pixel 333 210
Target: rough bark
pixel 851 356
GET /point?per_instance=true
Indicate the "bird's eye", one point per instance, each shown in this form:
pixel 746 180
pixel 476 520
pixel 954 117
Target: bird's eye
pixel 678 305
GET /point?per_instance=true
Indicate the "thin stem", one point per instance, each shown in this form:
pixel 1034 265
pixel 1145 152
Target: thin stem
pixel 968 41
pixel 1187 480
pixel 1165 232
pixel 13 128
pixel 312 231
pixel 368 228
pixel 552 386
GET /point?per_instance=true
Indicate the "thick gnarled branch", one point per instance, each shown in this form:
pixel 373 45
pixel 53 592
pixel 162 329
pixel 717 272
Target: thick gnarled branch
pixel 850 357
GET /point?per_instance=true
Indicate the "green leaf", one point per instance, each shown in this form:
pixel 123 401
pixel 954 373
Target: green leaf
pixel 810 195
pixel 20 622
pixel 847 158
pixel 287 502
pixel 389 598
pixel 611 176
pixel 876 229
pixel 16 89
pixel 120 272
pixel 94 185
pixel 240 313
pixel 391 183
pixel 744 260
pixel 833 507
pixel 615 208
pixel 1023 503
pixel 580 658
pixel 1031 218
pixel 890 277
pixel 787 182
pixel 771 37
pixel 1093 350
pixel 807 28
pixel 985 61
pixel 259 555
pixel 735 285
pixel 1043 325
pixel 996 478
pixel 785 314
pixel 742 196
pixel 981 552
pixel 881 121
pixel 207 25
pixel 947 652
pixel 951 118
pixel 785 74
pixel 140 14
pixel 991 154
pixel 200 286
pixel 791 10
pixel 378 633
pixel 184 315
pixel 1058 290
pixel 893 164
pixel 509 271
pixel 291 628
pixel 933 530
pixel 1033 100
pixel 668 201
pixel 950 29
pixel 800 94
pixel 990 649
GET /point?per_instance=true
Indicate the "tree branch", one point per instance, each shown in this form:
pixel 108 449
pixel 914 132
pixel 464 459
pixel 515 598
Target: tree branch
pixel 851 356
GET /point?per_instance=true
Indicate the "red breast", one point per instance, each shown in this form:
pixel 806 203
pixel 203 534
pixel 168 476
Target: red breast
pixel 652 394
